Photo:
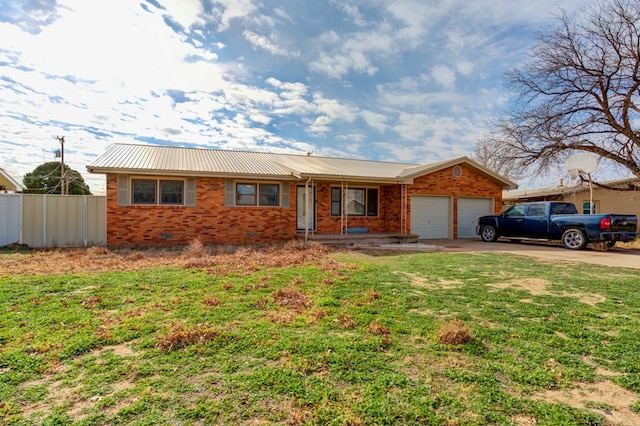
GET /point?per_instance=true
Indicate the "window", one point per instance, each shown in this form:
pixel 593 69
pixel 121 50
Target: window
pixel 358 201
pixel 269 194
pixel 257 194
pixel 336 201
pixel 246 194
pixel 171 191
pixel 515 211
pixel 156 191
pixel 563 208
pixel 536 210
pixel 587 210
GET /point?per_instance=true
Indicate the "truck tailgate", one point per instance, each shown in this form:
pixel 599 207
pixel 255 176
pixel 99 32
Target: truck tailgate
pixel 624 223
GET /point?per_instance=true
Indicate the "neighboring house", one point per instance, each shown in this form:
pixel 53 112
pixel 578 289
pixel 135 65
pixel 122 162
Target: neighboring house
pixel 619 200
pixel 159 195
pixel 9 184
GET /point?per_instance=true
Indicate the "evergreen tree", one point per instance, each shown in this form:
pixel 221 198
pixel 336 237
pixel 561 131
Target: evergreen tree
pixel 46 179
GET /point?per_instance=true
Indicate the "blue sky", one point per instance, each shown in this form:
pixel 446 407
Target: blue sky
pixel 394 80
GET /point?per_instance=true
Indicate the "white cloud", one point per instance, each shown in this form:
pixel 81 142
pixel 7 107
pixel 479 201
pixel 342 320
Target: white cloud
pixel 186 12
pixel 444 76
pixel 351 11
pixel 234 9
pixel 267 44
pixel 339 65
pixel 320 125
pixel 335 109
pixel 465 67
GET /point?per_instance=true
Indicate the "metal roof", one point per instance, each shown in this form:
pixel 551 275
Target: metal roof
pixel 5 176
pixel 152 159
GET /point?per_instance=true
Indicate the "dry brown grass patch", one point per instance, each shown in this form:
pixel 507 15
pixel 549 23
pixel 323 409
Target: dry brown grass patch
pixel 377 328
pixel 219 260
pixel 181 336
pixel 211 301
pixel 454 333
pixel 282 317
pixel 292 298
pixel 95 251
pixel 92 302
pixel 373 295
pixel 345 321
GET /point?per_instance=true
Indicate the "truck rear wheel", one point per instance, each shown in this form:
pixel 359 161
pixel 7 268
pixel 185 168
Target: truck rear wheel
pixel 488 234
pixel 574 239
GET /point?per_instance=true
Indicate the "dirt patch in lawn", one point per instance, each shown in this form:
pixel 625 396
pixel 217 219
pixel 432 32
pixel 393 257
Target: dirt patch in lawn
pixel 603 397
pixel 420 281
pixel 539 287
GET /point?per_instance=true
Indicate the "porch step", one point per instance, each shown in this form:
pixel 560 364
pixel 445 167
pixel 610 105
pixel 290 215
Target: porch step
pixel 364 239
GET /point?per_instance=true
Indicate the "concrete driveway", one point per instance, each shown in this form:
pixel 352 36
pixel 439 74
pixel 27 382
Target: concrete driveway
pixel 548 251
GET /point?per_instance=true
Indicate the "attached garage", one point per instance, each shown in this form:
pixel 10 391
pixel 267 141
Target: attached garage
pixel 431 217
pixel 469 210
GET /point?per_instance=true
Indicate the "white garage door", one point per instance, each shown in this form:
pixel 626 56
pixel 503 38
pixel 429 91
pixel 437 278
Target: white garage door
pixel 469 210
pixel 430 217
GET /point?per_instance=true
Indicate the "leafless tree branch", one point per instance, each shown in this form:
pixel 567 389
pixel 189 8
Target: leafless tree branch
pixel 579 91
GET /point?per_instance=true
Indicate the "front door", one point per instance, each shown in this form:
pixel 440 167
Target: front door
pixel 304 222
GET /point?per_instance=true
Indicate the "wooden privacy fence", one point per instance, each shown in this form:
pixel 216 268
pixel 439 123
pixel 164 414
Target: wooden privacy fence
pixel 39 220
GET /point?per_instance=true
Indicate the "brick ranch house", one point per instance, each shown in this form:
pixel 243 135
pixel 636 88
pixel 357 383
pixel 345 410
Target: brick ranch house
pixel 160 195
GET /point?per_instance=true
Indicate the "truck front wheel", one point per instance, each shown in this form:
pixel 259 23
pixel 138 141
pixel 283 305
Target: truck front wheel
pixel 574 239
pixel 488 234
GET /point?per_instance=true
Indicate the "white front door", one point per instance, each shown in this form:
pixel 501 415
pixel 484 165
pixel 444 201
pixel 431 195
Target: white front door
pixel 305 221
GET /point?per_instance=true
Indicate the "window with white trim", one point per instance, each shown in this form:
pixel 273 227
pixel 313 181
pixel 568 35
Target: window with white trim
pixel 587 210
pixel 358 201
pixel 157 192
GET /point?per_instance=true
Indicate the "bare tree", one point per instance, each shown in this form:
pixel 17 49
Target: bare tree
pixel 499 157
pixel 578 92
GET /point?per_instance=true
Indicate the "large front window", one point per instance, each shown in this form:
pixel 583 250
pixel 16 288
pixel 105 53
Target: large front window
pixel 357 201
pixel 157 191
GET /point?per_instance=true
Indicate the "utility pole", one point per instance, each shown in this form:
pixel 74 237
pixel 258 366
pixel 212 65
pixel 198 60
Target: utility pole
pixel 64 189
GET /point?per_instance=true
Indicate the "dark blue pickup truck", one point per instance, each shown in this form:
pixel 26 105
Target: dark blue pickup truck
pixel 554 220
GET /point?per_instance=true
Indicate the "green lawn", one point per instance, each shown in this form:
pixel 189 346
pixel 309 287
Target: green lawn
pixel 348 339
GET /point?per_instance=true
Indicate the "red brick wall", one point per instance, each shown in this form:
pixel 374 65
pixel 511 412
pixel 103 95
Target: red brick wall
pixel 210 220
pixel 469 184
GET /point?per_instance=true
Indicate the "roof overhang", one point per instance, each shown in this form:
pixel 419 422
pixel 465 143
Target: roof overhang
pixel 291 177
pixel 182 173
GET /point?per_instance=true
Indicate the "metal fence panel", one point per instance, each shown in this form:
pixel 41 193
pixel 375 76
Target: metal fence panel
pixel 65 221
pixel 33 214
pixel 61 220
pixel 96 220
pixel 10 219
